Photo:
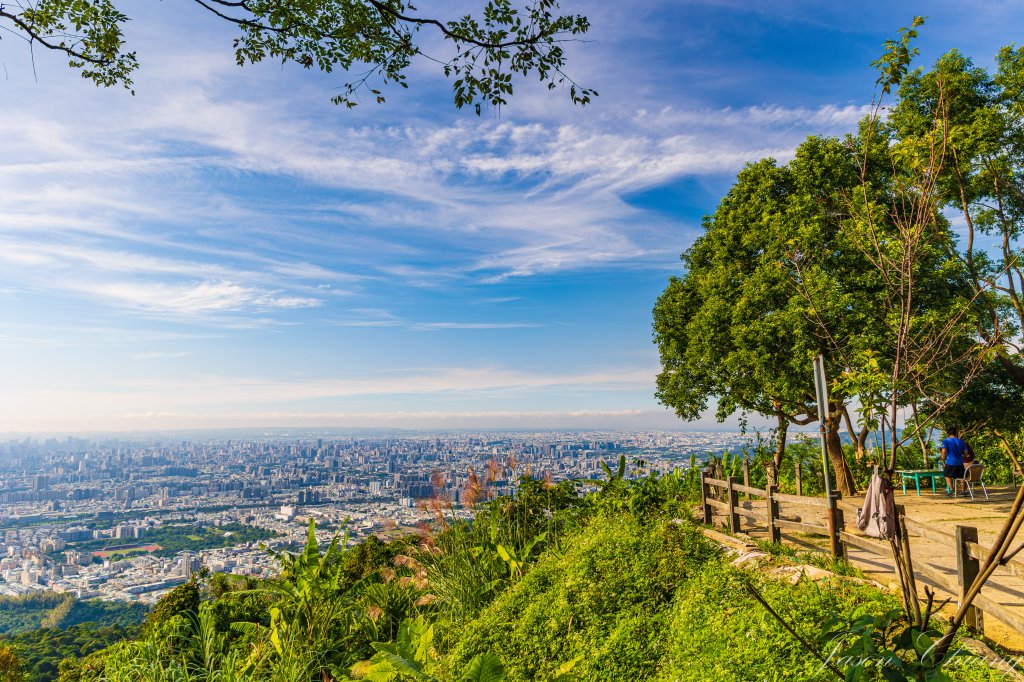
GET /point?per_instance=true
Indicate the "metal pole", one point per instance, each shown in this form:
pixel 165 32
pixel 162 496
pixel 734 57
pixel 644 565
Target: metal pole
pixel 821 393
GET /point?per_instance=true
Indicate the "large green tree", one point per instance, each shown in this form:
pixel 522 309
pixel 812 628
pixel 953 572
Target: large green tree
pixel 374 40
pixel 980 180
pixel 735 328
pixel 839 252
pixel 932 342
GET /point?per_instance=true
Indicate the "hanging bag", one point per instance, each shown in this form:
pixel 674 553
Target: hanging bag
pixel 877 518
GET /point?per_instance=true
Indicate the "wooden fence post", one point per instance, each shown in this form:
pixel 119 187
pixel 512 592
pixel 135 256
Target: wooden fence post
pixel 774 535
pixel 799 485
pixel 733 502
pixel 836 525
pixel 720 475
pixel 712 471
pixel 911 580
pixel 967 568
pixel 704 493
pixel 746 474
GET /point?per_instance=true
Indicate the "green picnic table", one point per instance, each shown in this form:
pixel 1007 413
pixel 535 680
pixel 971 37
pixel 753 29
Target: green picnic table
pixel 917 474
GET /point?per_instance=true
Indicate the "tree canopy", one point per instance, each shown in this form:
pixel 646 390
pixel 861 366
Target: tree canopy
pixel 735 328
pixel 375 41
pixel 981 180
pixel 788 268
pixel 848 251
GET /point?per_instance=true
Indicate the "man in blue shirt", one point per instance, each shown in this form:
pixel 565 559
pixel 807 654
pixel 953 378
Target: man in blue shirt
pixel 953 457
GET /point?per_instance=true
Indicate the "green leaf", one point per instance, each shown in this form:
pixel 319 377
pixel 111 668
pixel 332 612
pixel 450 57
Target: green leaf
pixel 385 661
pixel 484 667
pixel 563 673
pixel 923 644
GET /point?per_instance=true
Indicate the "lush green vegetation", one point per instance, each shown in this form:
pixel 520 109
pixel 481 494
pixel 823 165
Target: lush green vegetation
pixel 848 251
pixel 44 628
pixel 41 651
pixel 52 610
pixel 174 538
pixel 548 584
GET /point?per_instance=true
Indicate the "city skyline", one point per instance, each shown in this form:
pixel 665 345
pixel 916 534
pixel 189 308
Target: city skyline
pixel 129 519
pixel 228 249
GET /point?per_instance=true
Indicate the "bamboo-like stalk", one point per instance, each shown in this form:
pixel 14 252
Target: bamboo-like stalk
pixel 1011 526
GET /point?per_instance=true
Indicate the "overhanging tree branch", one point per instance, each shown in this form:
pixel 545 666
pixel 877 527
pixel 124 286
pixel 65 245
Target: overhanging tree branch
pixel 32 35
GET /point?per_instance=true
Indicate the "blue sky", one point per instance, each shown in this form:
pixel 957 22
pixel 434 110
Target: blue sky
pixel 227 248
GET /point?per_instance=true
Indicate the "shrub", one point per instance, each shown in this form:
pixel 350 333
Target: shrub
pixel 598 600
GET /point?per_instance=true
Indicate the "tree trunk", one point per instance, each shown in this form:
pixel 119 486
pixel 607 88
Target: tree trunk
pixel 859 439
pixel 780 449
pixel 1014 371
pixel 834 447
pixel 862 439
pixel 1009 451
pixel 920 438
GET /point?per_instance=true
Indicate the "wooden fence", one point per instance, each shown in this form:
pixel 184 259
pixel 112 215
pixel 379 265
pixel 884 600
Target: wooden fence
pixel 771 511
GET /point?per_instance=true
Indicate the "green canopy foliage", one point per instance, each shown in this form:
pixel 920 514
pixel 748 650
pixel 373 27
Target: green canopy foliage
pixel 772 282
pixel 843 251
pixel 375 41
pixel 734 327
pixel 980 115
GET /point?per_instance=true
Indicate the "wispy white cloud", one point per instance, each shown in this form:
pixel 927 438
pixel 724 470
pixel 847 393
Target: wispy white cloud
pixel 195 298
pixel 382 318
pixel 244 389
pixel 520 197
pixel 160 355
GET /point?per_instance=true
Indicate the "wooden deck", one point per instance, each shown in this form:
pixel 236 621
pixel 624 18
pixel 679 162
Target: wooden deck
pixel 931 520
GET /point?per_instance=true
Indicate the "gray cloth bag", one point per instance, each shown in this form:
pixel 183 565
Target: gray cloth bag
pixel 877 517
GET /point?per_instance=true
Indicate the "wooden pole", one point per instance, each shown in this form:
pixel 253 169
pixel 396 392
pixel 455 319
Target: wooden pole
pixel 799 487
pixel 836 525
pixel 704 493
pixel 746 474
pixel 733 502
pixel 967 569
pixel 908 565
pixel 821 392
pixel 774 535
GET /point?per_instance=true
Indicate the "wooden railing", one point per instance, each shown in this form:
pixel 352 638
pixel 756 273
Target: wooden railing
pixel 825 517
pixel 721 498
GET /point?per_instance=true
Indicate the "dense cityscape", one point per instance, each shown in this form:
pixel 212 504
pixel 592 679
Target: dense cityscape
pixel 128 520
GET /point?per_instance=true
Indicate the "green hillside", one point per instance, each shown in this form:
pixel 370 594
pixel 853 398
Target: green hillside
pixel 46 627
pixel 53 610
pixel 617 584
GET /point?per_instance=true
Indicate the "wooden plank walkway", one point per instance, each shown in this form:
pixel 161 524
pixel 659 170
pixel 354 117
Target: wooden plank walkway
pixel 931 521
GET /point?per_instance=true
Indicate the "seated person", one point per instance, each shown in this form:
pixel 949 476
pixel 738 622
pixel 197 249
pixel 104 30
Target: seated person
pixel 953 450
